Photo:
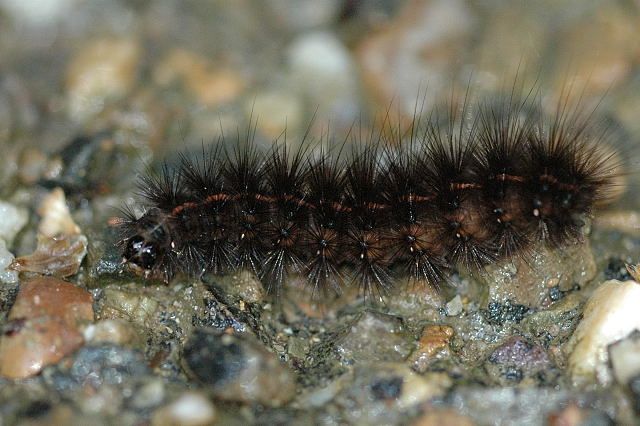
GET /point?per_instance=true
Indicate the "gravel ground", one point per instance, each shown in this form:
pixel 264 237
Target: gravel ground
pixel 93 93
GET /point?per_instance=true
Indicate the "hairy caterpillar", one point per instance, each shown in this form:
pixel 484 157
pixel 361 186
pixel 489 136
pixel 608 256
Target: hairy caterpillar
pixel 479 186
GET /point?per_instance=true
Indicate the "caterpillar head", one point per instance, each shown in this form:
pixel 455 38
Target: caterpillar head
pixel 141 252
pixel 149 243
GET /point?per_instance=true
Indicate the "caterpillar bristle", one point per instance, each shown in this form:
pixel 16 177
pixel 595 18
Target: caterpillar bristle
pixel 475 186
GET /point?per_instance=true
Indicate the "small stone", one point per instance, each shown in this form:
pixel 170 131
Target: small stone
pixel 106 364
pixel 527 281
pixel 13 219
pixel 33 164
pixel 516 359
pixel 190 409
pixel 116 331
pixel 573 414
pixel 130 306
pixel 392 341
pixel 28 345
pixel 557 322
pixel 59 256
pixel 433 344
pixel 43 326
pixel 610 315
pixel 55 216
pixel 7 276
pixel 237 368
pixel 500 313
pixel 382 391
pixel 151 394
pixel 103 69
pixel 61 245
pixel 51 297
pixel 210 85
pixel 98 367
pixel 454 306
pixel 322 69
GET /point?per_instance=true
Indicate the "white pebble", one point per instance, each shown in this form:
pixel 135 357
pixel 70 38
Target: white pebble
pixel 190 409
pixel 610 315
pixel 321 67
pixel 13 219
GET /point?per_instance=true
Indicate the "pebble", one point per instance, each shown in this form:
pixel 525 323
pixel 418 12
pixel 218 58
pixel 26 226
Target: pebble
pixel 58 256
pixel 527 281
pixel 33 164
pixel 212 86
pixel 43 326
pixel 150 394
pixel 574 414
pixel 433 344
pixel 378 393
pixel 13 220
pixel 61 245
pixel 234 367
pixel 393 341
pixel 102 70
pixel 106 364
pixel 189 409
pixel 116 331
pixel 162 316
pixel 517 359
pixel 610 314
pixel 321 68
pixel 134 307
pixel 7 276
pixel 556 323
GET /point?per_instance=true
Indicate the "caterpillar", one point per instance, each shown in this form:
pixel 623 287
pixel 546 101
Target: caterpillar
pixel 483 184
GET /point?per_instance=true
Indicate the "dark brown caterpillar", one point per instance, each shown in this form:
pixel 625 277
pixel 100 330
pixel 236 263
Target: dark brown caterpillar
pixel 468 192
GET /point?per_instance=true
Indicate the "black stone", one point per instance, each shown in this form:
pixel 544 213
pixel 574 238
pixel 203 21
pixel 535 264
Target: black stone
pixel 388 388
pixel 212 359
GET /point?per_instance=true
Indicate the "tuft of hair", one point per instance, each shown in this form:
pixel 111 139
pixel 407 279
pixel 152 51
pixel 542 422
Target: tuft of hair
pixel 475 185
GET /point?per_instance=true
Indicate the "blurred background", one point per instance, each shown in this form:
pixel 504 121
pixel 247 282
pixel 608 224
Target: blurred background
pixel 159 75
